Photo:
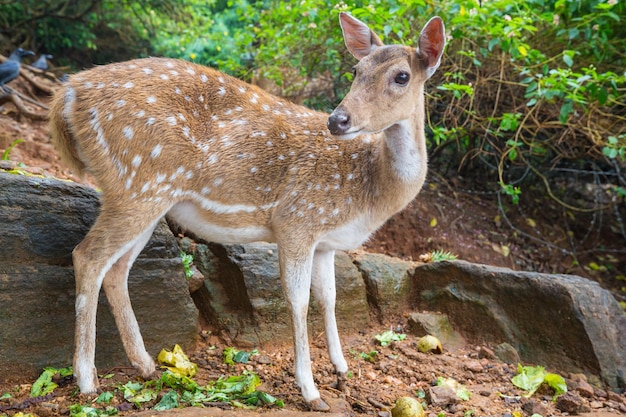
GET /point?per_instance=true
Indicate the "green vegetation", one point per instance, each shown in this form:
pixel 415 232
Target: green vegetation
pixel 7 151
pixel 530 378
pixel 385 338
pixel 530 97
pixel 187 260
pixel 175 388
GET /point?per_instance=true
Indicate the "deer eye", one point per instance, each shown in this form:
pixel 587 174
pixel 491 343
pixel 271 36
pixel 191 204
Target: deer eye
pixel 354 71
pixel 402 78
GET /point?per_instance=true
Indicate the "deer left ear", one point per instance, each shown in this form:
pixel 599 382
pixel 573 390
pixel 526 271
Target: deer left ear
pixel 359 38
pixel 431 44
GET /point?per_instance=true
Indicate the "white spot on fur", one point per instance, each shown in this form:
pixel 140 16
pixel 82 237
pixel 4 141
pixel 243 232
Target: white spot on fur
pixel 128 132
pixel 150 121
pixel 136 161
pixel 204 78
pixel 151 99
pixel 171 120
pixel 156 151
pixel 128 85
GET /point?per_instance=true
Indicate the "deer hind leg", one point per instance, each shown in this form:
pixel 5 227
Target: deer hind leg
pixel 295 270
pixel 114 235
pixel 324 291
pixel 115 286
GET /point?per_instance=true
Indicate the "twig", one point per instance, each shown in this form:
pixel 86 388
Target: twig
pixel 19 104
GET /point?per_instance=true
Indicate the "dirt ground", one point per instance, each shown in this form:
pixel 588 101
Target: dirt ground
pixel 448 216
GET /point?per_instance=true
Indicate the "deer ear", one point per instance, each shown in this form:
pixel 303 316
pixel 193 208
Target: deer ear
pixel 431 43
pixel 359 38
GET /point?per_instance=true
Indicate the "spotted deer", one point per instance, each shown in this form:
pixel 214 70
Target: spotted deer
pixel 235 164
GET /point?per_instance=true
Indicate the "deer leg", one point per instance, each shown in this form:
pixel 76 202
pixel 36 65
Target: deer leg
pixel 324 291
pixel 296 281
pixel 115 286
pixel 112 236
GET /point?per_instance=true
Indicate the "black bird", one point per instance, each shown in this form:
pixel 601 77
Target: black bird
pixel 41 62
pixel 10 69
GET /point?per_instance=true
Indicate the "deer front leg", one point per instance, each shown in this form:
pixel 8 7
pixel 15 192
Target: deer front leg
pixel 324 291
pixel 296 281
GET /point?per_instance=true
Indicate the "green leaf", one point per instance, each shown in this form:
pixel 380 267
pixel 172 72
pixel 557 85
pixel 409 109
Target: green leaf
pixel 568 60
pixel 557 383
pixel 530 378
pixel 44 385
pixel 389 336
pixel 105 397
pixel 169 401
pixel 5 396
pixel 566 109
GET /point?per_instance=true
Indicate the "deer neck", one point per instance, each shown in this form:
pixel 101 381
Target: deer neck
pixel 404 151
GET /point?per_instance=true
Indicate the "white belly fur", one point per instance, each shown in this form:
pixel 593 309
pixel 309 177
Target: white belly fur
pixel 189 216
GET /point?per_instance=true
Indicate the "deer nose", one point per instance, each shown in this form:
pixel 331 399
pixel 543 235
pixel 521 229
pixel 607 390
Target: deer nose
pixel 339 121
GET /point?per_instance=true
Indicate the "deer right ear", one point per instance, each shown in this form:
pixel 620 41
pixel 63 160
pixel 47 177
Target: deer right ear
pixel 359 38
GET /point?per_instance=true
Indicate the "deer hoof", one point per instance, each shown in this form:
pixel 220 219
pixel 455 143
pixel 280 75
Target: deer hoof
pixel 318 405
pixel 341 384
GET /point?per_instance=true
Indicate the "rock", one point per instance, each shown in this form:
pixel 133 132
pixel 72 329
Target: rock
pixel 243 294
pixel 486 353
pixel 585 389
pixel 569 403
pixel 388 282
pixel 41 220
pixel 559 321
pixel 474 366
pixel 436 324
pixel 507 354
pixel 441 396
pixel 531 407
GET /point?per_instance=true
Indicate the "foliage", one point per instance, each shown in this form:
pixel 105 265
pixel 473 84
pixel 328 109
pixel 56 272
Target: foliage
pixel 232 355
pixel 187 260
pixel 389 336
pixel 175 388
pixel 530 95
pixel 530 378
pixel 44 384
pixel 7 151
pixel 83 33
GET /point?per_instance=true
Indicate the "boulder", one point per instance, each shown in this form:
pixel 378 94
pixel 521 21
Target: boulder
pixel 41 220
pixel 243 294
pixel 387 280
pixel 559 321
